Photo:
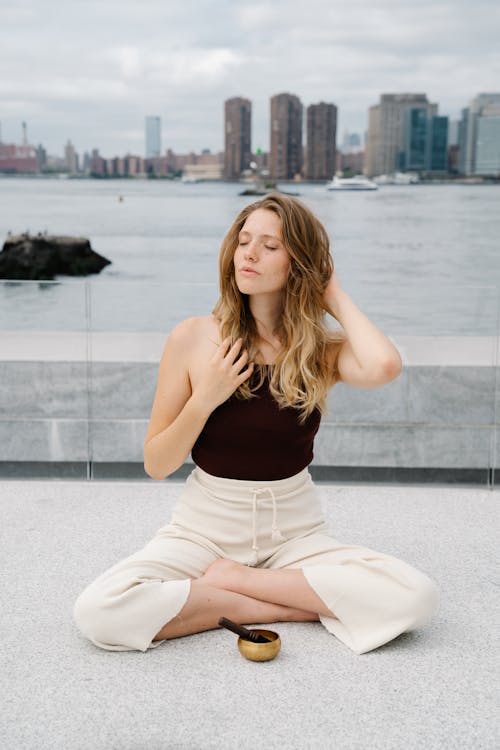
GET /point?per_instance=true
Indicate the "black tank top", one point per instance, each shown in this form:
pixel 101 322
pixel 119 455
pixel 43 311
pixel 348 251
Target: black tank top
pixel 255 439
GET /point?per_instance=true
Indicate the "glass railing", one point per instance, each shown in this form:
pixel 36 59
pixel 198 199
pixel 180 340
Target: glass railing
pixel 45 369
pixel 79 364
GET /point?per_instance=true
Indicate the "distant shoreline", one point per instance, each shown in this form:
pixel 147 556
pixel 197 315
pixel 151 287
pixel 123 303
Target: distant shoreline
pixel 116 178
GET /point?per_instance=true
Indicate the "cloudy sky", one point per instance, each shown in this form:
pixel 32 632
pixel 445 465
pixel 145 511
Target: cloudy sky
pixel 91 70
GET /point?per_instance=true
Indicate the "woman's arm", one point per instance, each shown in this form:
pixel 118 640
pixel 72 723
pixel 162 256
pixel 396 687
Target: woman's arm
pixel 367 359
pixel 179 414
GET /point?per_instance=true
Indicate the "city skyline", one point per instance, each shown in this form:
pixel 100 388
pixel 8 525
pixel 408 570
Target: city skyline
pixel 405 132
pixel 123 62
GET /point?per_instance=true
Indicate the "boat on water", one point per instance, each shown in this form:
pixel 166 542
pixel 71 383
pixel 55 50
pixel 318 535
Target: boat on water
pixel 397 178
pixel 358 182
pixel 263 188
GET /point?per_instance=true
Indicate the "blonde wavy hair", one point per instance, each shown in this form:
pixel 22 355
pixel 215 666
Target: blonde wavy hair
pixel 302 374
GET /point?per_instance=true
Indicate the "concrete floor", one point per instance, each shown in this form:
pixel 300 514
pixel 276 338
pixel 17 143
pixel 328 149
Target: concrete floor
pixel 433 688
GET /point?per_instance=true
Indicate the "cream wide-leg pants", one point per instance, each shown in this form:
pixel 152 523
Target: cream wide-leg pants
pixel 268 524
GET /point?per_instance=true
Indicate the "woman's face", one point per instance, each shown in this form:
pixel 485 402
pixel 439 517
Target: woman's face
pixel 260 248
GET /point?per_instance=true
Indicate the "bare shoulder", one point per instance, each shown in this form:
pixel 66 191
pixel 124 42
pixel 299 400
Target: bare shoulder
pixel 192 341
pixel 191 330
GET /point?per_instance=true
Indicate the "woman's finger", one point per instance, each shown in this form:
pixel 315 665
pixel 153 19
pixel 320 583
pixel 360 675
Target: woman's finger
pixel 221 348
pixel 241 360
pixel 233 352
pixel 244 375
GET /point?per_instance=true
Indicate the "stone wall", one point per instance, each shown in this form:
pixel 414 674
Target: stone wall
pixel 69 397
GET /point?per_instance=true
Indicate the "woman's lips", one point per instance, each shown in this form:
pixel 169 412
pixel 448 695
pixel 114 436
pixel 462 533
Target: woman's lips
pixel 249 272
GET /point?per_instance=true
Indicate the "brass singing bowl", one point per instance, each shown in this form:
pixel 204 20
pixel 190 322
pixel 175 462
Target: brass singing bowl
pixel 260 651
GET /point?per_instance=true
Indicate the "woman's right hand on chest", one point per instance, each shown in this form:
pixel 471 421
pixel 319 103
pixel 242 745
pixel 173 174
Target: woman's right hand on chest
pixel 222 374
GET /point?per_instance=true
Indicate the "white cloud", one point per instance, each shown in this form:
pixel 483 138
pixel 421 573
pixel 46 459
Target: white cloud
pixel 97 67
pixel 129 60
pixel 259 16
pixel 192 66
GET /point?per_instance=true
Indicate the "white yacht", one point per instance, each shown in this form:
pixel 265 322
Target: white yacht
pixel 358 182
pixel 397 178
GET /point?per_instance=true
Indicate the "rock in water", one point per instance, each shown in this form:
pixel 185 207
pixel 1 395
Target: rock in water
pixel 45 256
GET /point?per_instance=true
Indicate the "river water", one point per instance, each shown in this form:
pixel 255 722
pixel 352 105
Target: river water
pixel 417 259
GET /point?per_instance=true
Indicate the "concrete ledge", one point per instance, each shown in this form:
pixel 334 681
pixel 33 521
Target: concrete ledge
pixel 134 471
pixel 73 397
pixel 78 346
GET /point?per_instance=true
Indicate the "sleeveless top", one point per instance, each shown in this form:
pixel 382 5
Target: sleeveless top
pixel 255 439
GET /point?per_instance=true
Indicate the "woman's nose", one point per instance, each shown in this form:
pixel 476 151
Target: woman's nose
pixel 250 250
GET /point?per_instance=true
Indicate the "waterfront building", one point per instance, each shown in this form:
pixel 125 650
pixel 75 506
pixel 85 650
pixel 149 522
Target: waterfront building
pixel 384 145
pixel 286 137
pixel 41 155
pixel 134 166
pixel 262 160
pixel 15 159
pixel 453 126
pixel 453 159
pixel 153 136
pixel 477 135
pixel 55 163
pixel 180 162
pixel 321 141
pixel 462 139
pixel 86 162
pixel 70 158
pixel 415 140
pixel 200 172
pixel 488 145
pixel 97 164
pixel 238 136
pixel 425 142
pixel 437 155
pixel 351 161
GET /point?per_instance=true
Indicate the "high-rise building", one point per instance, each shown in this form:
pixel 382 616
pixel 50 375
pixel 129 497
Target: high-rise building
pixel 425 142
pixel 321 140
pixel 153 137
pixel 437 159
pixel 415 135
pixel 384 147
pixel 41 155
pixel 238 136
pixel 475 132
pixel 453 126
pixel 70 158
pixel 488 145
pixel 286 137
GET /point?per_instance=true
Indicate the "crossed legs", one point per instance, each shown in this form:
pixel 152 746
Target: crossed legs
pixel 245 595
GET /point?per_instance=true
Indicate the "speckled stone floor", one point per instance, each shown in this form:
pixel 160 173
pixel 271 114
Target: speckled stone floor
pixel 432 688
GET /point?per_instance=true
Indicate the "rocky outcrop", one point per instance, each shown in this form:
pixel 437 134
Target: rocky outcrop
pixel 43 256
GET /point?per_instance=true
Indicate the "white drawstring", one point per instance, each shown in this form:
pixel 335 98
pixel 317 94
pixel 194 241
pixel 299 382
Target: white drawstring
pixel 276 534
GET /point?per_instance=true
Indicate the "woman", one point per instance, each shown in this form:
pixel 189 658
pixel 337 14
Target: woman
pixel 244 390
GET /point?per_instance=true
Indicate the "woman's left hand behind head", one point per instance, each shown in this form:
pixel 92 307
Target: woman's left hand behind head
pixel 332 290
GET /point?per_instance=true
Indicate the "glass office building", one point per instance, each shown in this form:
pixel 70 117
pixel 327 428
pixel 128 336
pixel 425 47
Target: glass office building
pixel 153 137
pixel 488 146
pixel 425 141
